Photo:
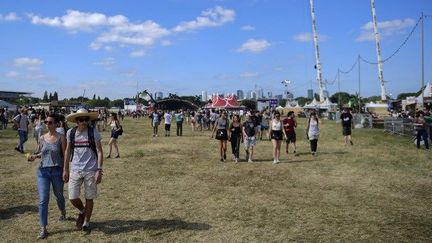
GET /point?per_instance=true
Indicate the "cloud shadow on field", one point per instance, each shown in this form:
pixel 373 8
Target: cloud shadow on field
pixel 123 226
pixel 11 212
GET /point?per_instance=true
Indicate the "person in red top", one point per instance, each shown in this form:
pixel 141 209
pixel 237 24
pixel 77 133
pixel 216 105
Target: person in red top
pixel 290 125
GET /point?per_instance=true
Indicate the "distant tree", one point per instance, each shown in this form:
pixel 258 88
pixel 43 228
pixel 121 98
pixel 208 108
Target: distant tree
pixel 282 102
pixel 50 97
pixel 403 96
pixel 55 96
pixel 117 103
pixel 249 104
pixel 302 100
pixel 45 97
pixel 374 98
pixel 344 98
pixel 94 96
pixel 98 97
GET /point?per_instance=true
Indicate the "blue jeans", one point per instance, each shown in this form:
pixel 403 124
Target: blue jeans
pixel 22 139
pixel 45 177
pixel 422 134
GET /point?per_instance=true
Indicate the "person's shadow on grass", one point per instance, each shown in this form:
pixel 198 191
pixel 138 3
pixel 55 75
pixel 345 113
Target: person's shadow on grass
pixel 11 212
pixel 167 225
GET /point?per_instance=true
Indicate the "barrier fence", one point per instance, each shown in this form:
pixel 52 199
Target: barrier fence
pixel 400 126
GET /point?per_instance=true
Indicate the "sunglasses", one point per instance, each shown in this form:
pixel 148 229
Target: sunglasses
pixel 48 122
pixel 82 120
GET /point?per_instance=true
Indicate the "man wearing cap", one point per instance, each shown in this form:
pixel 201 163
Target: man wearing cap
pixel 21 122
pixel 85 149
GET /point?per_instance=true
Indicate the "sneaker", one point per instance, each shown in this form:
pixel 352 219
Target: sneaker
pixel 17 149
pixel 221 159
pixel 278 161
pixel 118 156
pixel 294 151
pixel 250 161
pixel 274 162
pixel 80 221
pixel 109 157
pixel 224 156
pixel 351 142
pixel 43 234
pixel 62 218
pixel 236 161
pixel 86 226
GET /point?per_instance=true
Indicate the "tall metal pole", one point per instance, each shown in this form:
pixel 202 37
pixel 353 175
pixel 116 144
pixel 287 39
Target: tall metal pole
pixel 359 99
pixel 378 51
pixel 422 56
pixel 317 55
pixel 339 94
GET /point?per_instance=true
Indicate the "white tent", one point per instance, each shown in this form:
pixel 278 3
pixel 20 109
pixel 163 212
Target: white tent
pixel 288 105
pixel 313 105
pixel 327 105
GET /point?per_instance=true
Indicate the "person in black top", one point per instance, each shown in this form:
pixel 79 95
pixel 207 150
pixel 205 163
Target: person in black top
pixel 249 131
pixel 235 136
pixel 347 125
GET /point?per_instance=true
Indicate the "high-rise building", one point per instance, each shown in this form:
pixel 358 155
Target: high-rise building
pixel 253 95
pixel 260 93
pixel 310 94
pixel 279 97
pixel 158 95
pixel 204 96
pixel 269 95
pixel 240 94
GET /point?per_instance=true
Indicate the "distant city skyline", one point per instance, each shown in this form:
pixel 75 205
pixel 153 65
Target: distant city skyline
pixel 115 49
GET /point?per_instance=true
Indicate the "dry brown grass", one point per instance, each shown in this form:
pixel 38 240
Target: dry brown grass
pixel 168 189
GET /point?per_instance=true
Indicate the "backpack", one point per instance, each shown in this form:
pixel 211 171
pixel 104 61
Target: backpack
pixel 92 143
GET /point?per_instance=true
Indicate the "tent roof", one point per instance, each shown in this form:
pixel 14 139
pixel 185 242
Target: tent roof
pixel 228 102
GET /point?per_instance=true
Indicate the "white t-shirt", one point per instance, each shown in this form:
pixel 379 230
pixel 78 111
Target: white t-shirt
pixel 84 158
pixel 167 118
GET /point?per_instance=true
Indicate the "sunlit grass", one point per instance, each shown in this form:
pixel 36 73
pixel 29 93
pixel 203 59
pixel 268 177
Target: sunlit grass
pixel 166 189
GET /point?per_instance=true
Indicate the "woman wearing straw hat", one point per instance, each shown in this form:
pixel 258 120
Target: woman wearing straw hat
pixel 85 149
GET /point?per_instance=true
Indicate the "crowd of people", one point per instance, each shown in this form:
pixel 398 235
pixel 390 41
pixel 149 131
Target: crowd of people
pixel 74 155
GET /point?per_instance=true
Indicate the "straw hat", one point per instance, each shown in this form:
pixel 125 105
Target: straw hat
pixel 81 113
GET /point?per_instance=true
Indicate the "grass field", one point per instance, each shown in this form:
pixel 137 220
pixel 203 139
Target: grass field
pixel 167 189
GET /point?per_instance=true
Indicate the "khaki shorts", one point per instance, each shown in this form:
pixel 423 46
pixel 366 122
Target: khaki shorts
pixel 77 178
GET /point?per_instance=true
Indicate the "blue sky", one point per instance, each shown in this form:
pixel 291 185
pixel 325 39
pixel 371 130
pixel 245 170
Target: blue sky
pixel 112 48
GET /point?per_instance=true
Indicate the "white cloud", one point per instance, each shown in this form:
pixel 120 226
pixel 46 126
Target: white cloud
pixel 216 16
pixel 79 21
pixel 224 76
pixel 137 53
pixel 166 43
pixel 94 85
pixel 108 48
pixel 12 74
pixel 9 17
pixel 27 61
pixel 118 29
pixel 254 46
pixel 248 28
pixel 385 28
pixel 248 75
pixel 107 62
pixel 307 37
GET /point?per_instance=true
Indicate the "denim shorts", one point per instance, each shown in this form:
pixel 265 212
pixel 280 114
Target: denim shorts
pixel 249 142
